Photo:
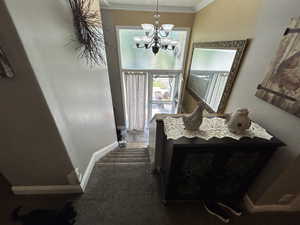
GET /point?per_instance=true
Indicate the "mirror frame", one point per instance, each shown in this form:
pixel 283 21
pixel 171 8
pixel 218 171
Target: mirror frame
pixel 240 46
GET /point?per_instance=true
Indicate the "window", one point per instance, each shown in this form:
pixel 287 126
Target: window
pixel 143 59
pixel 164 70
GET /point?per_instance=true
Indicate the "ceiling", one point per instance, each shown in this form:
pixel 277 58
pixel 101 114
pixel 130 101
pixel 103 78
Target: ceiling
pixel 164 5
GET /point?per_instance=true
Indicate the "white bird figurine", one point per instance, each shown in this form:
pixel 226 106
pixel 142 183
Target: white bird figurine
pixel 193 121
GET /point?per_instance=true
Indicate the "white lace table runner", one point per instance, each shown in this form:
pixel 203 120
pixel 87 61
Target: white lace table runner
pixel 210 127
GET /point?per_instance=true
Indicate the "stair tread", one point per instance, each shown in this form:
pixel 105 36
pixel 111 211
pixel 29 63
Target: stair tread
pixel 122 160
pixel 120 163
pixel 126 153
pixel 146 157
pixel 126 156
pixel 130 155
pixel 133 150
pixel 129 152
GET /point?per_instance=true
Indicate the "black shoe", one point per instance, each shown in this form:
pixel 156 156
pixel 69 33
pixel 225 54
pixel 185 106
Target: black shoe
pixel 214 209
pixel 231 207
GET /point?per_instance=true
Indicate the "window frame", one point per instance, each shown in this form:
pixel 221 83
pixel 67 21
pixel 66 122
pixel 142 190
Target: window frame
pixel 118 28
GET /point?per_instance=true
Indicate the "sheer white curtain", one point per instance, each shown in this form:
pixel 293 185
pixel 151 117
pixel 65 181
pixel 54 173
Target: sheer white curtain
pixel 136 99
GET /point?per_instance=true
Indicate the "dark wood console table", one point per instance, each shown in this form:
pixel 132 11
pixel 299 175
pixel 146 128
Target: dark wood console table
pixel 217 169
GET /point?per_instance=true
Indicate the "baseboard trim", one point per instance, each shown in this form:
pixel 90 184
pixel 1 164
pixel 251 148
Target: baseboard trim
pixel 66 189
pixel 45 190
pixel 252 208
pixel 96 157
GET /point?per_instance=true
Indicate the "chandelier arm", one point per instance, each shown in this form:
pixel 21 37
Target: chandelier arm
pixel 170 49
pixel 162 35
pixel 150 36
pixel 150 44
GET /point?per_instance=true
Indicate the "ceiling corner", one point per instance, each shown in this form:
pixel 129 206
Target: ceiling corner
pixel 202 5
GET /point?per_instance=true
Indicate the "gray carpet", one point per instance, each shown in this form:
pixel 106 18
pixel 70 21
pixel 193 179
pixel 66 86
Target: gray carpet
pixel 128 194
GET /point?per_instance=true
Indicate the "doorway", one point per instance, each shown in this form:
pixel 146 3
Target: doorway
pixel 147 94
pixel 151 83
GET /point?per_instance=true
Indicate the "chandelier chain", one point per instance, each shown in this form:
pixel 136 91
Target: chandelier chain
pixel 156 36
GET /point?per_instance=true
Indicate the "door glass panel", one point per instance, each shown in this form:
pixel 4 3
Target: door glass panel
pixel 163 88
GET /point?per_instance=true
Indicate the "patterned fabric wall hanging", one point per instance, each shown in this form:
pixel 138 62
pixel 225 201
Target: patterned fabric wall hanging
pixel 281 86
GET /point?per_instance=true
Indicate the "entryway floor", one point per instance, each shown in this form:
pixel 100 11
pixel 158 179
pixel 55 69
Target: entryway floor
pixel 137 139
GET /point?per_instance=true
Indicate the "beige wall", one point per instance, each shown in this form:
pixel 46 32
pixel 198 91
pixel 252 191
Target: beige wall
pixel 264 22
pixel 282 174
pixel 113 18
pixel 77 96
pixel 31 149
pixel 136 18
pixel 219 21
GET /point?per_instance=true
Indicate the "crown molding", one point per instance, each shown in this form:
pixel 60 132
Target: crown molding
pixel 202 5
pixel 105 4
pixel 148 8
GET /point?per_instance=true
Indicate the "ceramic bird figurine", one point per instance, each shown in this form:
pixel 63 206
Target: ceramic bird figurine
pixel 239 121
pixel 193 121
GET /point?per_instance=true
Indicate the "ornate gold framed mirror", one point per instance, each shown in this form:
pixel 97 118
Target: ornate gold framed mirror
pixel 213 70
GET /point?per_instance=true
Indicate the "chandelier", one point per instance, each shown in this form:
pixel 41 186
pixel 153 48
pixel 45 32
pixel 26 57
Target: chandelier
pixel 156 36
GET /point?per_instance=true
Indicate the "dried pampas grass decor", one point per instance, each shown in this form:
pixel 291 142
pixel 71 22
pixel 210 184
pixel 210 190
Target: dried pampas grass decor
pixel 88 30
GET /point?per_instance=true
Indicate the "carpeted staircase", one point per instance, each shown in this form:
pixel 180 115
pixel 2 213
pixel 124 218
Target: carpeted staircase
pixel 126 156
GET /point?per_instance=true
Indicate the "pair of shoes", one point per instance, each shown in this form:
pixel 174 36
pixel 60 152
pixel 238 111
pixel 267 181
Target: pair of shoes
pixel 216 210
pixel 231 207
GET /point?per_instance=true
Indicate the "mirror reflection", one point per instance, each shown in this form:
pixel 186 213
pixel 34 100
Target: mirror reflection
pixel 213 70
pixel 209 72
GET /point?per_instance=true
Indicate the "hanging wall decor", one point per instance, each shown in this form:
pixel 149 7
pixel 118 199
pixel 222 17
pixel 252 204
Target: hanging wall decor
pixel 6 70
pixel 88 30
pixel 281 86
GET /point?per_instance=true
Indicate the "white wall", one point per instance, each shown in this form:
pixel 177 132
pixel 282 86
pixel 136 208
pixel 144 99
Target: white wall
pixel 282 174
pixel 31 149
pixel 79 98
